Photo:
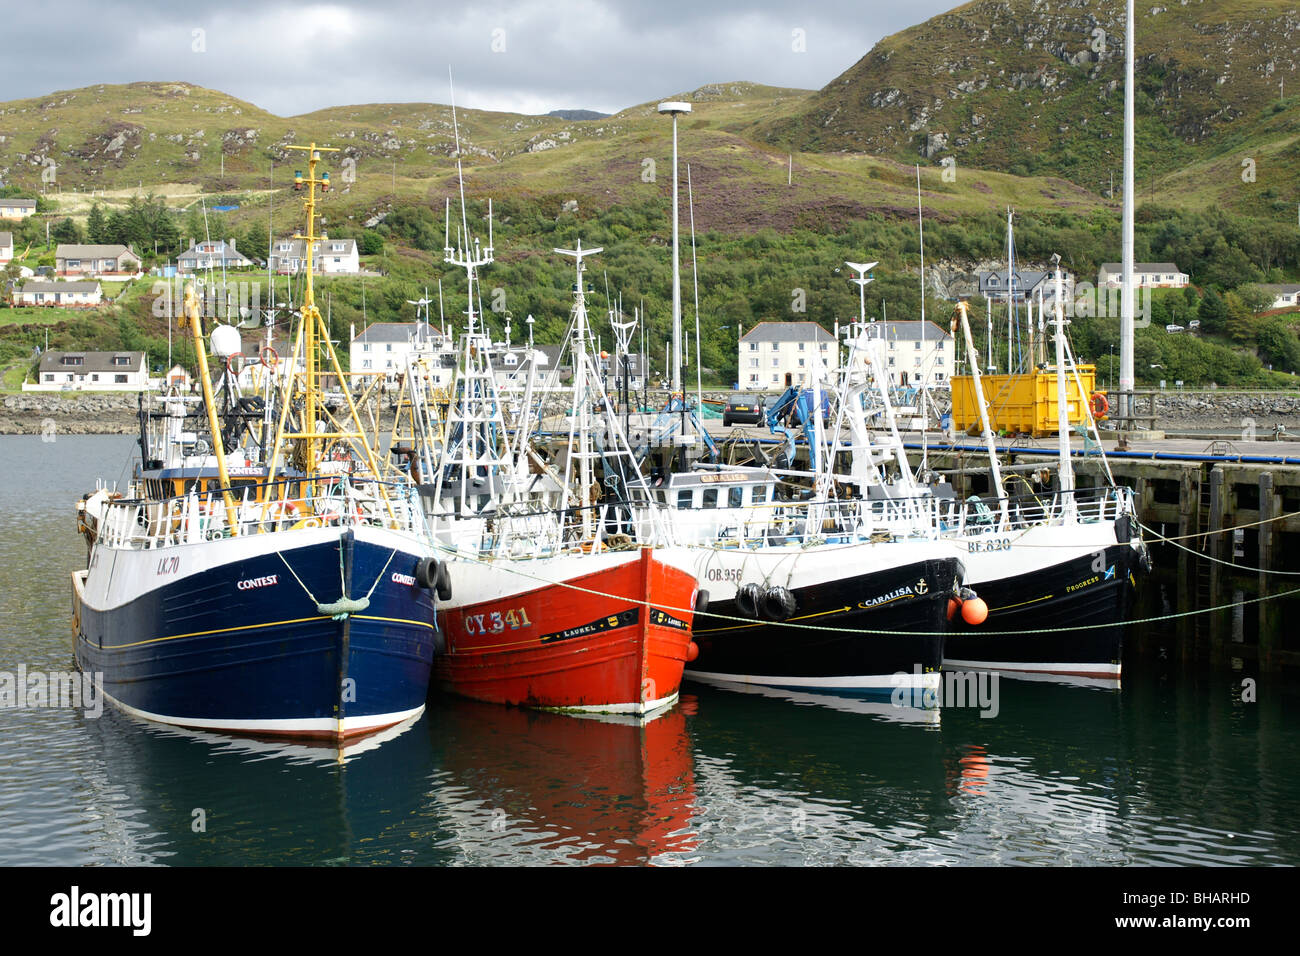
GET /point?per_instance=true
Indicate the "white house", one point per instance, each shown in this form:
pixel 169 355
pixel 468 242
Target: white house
pixel 95 371
pixel 1150 275
pixel 329 256
pixel 385 348
pixel 917 353
pixel 6 246
pixel 776 355
pixel 17 208
pixel 66 294
pixel 1284 296
pixel 217 254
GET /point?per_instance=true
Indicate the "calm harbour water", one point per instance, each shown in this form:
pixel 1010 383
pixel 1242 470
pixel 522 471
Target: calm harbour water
pixel 1173 769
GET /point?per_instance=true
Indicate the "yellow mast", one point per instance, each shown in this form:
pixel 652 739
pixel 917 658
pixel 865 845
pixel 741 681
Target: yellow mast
pixel 315 336
pixel 190 311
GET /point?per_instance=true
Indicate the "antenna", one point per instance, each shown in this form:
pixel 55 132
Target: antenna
pixel 467 255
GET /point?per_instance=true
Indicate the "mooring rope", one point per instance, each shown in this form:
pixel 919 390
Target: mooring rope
pixel 858 630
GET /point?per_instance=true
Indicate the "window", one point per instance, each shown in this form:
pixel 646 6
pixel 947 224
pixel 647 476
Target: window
pixel 939 360
pixel 388 346
pixel 753 346
pixel 918 345
pixel 94 378
pixel 822 346
pixel 49 378
pixel 365 347
pixel 759 496
pixel 119 379
pixel 735 497
pixel 800 346
pixel 891 360
pixel 776 362
pixel 754 379
pixel 121 360
pixel 753 363
pixel 710 498
pixel 684 499
pixel 71 360
pixel 801 363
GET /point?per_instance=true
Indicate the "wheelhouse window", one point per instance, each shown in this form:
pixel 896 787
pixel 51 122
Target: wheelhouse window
pixel 710 498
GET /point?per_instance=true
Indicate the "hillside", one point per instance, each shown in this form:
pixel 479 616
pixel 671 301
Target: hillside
pixel 1029 87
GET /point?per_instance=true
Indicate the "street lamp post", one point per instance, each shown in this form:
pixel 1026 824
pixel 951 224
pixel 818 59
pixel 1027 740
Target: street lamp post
pixel 675 108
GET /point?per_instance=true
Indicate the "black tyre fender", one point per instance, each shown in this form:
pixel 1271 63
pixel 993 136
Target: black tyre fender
pixel 427 571
pixel 442 583
pixel 701 601
pixel 748 597
pixel 778 603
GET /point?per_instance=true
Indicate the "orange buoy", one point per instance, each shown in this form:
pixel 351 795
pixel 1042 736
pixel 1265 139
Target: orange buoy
pixel 692 651
pixel 1100 405
pixel 974 611
pixel 953 605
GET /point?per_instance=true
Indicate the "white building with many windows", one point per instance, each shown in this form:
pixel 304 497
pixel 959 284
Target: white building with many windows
pixel 91 371
pixel 385 348
pixel 1146 275
pixel 916 353
pixel 774 356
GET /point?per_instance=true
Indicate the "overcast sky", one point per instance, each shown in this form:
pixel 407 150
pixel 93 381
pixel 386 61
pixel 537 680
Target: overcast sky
pixel 528 56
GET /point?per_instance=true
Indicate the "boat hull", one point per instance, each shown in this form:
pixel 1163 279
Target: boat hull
pixel 1045 603
pixel 227 636
pixel 822 645
pixel 606 633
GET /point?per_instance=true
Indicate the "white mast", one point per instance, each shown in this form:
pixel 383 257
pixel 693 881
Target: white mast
pixel 1126 293
pixel 1065 469
pixel 675 108
pixel 695 275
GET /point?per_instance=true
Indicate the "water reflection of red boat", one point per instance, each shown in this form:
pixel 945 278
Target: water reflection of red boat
pixel 578 789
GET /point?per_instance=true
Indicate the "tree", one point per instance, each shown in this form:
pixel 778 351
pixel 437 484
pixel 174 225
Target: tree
pixel 1278 344
pixel 1212 312
pixel 1255 299
pixel 96 225
pixel 66 231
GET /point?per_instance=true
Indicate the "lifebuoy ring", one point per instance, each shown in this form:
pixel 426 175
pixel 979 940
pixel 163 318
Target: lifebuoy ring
pixel 230 361
pixel 273 361
pixel 1100 405
pixel 280 510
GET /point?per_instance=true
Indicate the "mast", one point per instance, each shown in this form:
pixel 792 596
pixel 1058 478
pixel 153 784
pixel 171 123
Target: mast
pixel 580 419
pixel 1126 293
pixel 1065 469
pixel 962 317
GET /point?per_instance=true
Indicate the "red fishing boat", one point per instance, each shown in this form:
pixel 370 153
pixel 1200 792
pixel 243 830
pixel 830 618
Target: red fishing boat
pixel 612 634
pixel 562 598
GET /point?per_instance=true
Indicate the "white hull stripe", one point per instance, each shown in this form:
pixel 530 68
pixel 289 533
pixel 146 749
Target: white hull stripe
pixel 888 682
pixel 1067 669
pixel 640 709
pixel 284 725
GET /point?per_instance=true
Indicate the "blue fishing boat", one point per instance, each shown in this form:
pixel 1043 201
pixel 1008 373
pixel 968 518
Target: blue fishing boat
pixel 264 573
